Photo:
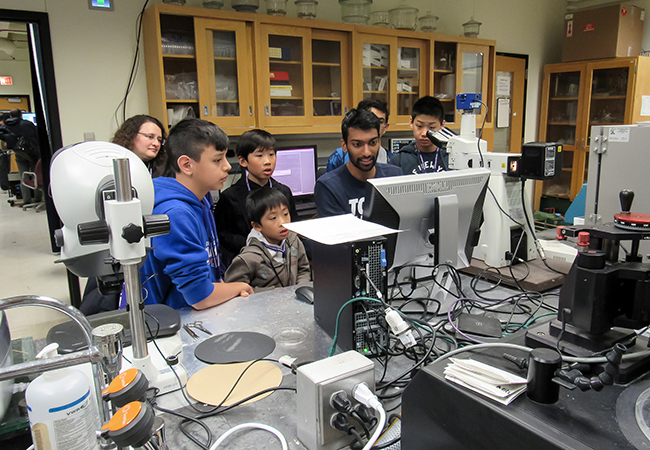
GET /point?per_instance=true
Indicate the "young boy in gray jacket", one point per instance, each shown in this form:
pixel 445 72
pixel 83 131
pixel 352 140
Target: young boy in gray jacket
pixel 273 256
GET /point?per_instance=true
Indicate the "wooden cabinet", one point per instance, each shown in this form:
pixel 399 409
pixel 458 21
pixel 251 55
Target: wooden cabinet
pixel 225 73
pixel 577 96
pixel 302 77
pixel 293 76
pixel 392 69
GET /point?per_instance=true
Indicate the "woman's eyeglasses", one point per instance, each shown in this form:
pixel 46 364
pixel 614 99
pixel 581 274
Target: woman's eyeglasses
pixel 151 137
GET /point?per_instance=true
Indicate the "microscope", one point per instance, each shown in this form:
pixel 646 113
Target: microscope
pixel 501 237
pixel 605 297
pixel 100 191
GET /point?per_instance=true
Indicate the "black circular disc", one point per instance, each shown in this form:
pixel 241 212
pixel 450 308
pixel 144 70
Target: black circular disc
pixel 238 346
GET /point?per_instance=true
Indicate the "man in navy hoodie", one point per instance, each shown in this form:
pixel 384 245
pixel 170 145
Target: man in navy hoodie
pixel 186 262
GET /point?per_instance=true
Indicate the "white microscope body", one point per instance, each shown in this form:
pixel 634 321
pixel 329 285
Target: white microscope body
pixel 499 234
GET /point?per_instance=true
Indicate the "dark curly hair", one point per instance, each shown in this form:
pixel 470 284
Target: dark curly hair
pixel 126 134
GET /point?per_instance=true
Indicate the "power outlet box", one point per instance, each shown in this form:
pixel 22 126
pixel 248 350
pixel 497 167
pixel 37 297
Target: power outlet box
pixel 315 383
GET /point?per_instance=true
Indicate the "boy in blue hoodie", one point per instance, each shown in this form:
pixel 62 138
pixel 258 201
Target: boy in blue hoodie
pixel 186 262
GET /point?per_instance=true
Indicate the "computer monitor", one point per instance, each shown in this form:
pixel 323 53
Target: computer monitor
pixel 296 167
pixel 30 116
pixel 439 213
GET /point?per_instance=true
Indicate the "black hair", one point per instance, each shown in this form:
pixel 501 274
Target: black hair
pixel 251 140
pixel 428 106
pixel 361 119
pixel 191 137
pixel 16 113
pixel 260 201
pixel 4 116
pixel 374 103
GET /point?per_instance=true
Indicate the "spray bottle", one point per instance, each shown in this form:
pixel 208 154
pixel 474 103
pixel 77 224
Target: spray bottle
pixel 62 415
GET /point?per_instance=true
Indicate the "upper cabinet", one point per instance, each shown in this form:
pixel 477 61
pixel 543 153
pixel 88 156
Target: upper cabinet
pixel 579 95
pixel 291 76
pixel 225 73
pixel 391 69
pixel 302 73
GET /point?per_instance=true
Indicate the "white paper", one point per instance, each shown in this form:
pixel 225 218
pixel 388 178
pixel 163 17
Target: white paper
pixel 503 85
pixel 494 383
pixel 338 229
pixel 645 105
pixel 503 113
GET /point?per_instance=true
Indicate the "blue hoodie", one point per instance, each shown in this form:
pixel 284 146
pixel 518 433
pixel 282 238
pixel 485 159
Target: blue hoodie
pixel 187 260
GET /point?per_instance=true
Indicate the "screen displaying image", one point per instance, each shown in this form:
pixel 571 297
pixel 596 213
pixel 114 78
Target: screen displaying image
pixel 296 168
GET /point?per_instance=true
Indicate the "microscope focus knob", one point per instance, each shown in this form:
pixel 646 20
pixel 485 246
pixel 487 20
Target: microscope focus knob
pixel 93 233
pixel 626 196
pixel 156 224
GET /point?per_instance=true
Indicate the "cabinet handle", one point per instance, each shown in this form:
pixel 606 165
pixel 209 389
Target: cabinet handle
pixel 206 110
pixel 250 110
pixel 266 110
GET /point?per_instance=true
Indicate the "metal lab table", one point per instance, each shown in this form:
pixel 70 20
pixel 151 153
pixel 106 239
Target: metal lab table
pixel 271 313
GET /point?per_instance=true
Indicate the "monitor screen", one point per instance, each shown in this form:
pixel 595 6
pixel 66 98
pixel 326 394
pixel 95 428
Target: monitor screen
pixel 30 116
pixel 296 167
pixel 439 213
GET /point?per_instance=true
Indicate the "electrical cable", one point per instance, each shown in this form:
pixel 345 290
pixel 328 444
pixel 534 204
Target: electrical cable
pixel 134 66
pixel 260 426
pixel 532 230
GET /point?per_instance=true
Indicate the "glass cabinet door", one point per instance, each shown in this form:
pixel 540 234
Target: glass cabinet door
pixel 179 63
pixel 330 84
pixel 563 123
pixel 411 80
pixel 376 71
pixel 472 76
pixel 562 114
pixel 287 95
pixel 608 103
pixel 225 82
pixel 444 77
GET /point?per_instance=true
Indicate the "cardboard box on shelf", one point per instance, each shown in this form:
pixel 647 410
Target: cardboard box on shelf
pixel 605 32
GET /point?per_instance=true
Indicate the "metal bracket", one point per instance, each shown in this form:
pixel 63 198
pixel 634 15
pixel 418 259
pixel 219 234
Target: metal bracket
pixel 599 143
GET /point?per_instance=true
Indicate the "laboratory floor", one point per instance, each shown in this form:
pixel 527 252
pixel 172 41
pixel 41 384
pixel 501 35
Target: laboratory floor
pixel 27 268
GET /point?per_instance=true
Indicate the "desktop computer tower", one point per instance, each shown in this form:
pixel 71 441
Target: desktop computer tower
pixel 340 276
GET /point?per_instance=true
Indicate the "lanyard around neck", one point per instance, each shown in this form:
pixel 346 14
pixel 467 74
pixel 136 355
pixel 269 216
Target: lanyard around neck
pixel 248 186
pixel 435 162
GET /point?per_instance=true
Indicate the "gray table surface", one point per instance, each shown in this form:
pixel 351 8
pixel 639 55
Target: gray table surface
pixel 274 313
pixel 271 313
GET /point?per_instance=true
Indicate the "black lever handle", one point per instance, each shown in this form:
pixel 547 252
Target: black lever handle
pixel 626 197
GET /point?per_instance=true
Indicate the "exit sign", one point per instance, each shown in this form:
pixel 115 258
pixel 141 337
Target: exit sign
pixel 6 81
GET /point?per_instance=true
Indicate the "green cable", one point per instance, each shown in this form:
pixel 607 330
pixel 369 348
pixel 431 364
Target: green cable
pixel 338 316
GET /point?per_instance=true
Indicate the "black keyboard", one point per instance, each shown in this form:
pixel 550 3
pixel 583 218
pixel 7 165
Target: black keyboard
pixel 305 205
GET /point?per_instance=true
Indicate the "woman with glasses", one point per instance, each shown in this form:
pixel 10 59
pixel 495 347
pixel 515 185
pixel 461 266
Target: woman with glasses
pixel 145 136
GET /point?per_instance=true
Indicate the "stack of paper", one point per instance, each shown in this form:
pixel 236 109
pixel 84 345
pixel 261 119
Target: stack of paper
pixel 486 380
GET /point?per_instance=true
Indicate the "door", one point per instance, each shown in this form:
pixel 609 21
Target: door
pixel 509 106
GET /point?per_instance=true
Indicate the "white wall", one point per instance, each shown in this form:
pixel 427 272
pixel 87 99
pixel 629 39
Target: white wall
pixel 21 78
pixel 93 50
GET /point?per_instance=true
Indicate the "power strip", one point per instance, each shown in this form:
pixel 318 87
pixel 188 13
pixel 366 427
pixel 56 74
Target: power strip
pixel 316 383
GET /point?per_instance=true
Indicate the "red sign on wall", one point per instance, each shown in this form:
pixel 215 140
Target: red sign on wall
pixel 6 81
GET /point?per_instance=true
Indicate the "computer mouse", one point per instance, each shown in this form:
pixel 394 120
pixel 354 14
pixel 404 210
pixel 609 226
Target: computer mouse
pixel 305 294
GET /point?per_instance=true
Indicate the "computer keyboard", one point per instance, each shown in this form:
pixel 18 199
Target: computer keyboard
pixel 305 205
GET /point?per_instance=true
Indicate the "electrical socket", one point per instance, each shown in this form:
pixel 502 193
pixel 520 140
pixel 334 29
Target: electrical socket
pixel 315 383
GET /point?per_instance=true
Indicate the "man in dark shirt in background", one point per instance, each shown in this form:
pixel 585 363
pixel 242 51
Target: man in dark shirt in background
pixel 343 190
